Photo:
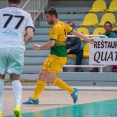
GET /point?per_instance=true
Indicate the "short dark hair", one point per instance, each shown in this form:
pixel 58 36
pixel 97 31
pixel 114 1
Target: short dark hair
pixel 14 1
pixel 71 22
pixel 107 22
pixel 52 11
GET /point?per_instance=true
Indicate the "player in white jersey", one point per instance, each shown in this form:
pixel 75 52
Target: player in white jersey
pixel 14 22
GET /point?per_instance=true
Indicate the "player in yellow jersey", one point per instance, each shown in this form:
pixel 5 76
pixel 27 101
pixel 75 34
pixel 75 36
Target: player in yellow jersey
pixel 57 58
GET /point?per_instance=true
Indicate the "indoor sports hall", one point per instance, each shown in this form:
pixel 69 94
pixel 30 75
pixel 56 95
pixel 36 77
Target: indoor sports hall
pixel 97 90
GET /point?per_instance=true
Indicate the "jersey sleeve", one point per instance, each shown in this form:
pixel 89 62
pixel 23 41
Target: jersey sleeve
pixel 30 23
pixel 69 29
pixel 54 32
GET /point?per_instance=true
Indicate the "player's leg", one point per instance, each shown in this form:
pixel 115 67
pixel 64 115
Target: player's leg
pixel 17 91
pixel 56 66
pixel 52 78
pixel 40 86
pixel 3 66
pixel 61 84
pixel 41 83
pixel 1 92
pixel 17 88
pixel 15 66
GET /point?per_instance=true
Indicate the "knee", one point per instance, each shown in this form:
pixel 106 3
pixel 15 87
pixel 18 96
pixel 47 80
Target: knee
pixel 79 50
pixel 43 75
pixel 17 85
pixel 2 76
pixel 50 78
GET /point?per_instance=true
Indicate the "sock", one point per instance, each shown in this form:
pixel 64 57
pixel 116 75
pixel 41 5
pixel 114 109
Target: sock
pixel 17 90
pixel 1 92
pixel 61 84
pixel 40 86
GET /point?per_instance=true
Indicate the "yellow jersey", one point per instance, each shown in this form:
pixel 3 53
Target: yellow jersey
pixel 59 32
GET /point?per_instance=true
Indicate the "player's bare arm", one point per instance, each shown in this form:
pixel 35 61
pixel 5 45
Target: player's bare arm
pixel 29 35
pixel 80 35
pixel 45 46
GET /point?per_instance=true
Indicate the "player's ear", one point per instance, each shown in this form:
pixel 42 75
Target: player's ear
pixel 21 2
pixel 7 2
pixel 53 16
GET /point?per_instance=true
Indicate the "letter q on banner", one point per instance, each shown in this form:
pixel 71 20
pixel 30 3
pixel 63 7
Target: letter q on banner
pixel 104 51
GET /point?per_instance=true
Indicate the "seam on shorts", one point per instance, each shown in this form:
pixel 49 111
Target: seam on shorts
pixel 54 65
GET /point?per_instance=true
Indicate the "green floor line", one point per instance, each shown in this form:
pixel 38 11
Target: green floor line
pixel 106 108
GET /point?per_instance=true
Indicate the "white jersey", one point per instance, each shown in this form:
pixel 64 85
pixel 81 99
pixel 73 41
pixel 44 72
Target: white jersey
pixel 13 23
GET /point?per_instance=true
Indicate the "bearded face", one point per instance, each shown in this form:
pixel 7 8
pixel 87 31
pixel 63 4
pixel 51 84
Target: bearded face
pixel 49 19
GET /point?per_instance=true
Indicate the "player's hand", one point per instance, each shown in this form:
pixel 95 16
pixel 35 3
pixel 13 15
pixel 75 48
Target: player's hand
pixel 91 40
pixel 36 47
pixel 68 50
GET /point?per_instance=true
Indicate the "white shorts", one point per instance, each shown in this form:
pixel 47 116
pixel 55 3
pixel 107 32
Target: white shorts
pixel 11 60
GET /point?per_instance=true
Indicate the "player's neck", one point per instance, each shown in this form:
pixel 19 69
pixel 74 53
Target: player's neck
pixel 108 32
pixel 14 5
pixel 56 20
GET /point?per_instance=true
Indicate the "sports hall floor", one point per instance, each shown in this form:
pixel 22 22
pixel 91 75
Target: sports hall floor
pixel 93 102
